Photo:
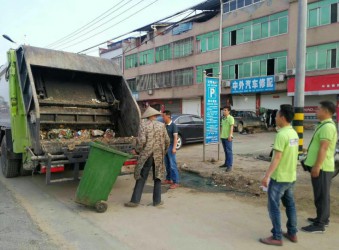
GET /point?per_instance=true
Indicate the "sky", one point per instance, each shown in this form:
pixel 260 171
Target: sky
pixel 42 23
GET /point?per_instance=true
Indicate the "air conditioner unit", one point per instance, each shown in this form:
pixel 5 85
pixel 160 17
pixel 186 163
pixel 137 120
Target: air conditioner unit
pixel 291 72
pixel 279 78
pixel 225 83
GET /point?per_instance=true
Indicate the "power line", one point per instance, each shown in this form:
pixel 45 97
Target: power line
pixel 167 18
pixel 94 48
pixel 112 25
pixel 94 21
pixel 168 28
pixel 98 26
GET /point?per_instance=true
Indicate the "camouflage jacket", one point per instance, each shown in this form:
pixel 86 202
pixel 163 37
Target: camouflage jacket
pixel 152 140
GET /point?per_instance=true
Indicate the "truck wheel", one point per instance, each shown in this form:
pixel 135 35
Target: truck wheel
pixel 240 127
pixel 24 172
pixel 10 168
pixel 101 206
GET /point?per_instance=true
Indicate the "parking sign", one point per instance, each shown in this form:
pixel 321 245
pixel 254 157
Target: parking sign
pixel 212 110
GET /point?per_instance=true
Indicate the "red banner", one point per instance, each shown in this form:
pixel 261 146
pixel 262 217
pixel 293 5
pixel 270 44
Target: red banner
pixel 317 85
pixel 310 109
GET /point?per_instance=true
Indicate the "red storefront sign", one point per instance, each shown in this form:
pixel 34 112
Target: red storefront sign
pixel 310 109
pixel 317 85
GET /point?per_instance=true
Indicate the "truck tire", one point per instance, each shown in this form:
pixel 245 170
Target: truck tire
pixel 9 167
pixel 24 172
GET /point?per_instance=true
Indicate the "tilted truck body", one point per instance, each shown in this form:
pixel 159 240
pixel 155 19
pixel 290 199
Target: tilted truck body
pixel 58 103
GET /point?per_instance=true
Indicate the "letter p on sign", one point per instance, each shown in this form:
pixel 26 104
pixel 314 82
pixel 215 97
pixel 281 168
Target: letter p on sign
pixel 212 93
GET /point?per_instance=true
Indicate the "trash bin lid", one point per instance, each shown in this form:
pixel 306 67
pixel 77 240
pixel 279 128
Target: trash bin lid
pixel 109 149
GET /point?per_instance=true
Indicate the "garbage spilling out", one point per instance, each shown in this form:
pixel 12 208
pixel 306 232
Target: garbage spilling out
pixel 83 134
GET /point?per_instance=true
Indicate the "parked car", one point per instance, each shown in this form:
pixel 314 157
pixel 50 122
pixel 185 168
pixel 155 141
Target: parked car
pixel 190 128
pixel 244 120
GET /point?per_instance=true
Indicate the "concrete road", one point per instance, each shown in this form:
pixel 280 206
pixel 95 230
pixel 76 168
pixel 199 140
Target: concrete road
pixel 253 144
pixel 17 229
pixel 188 219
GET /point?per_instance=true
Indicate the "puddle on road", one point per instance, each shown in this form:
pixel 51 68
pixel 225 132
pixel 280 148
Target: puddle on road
pixel 198 183
pixel 202 184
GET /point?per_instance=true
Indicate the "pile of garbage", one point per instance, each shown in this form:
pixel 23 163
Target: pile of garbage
pixel 83 134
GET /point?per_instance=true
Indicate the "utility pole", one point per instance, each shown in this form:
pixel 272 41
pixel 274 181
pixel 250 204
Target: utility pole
pixel 299 97
pixel 220 64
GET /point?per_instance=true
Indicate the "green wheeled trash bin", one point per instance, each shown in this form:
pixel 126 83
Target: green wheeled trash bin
pixel 101 171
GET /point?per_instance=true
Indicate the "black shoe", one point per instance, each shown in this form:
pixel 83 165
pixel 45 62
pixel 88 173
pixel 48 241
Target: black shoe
pixel 158 204
pixel 314 220
pixel 222 166
pixel 131 204
pixel 313 229
pixel 228 169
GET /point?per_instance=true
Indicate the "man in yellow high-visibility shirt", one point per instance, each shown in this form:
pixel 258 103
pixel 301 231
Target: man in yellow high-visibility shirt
pixel 320 160
pixel 227 125
pixel 280 178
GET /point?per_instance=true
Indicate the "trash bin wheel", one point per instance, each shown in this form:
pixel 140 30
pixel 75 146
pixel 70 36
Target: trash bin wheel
pixel 101 206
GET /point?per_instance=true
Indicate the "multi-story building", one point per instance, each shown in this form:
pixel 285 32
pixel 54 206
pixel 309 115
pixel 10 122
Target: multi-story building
pixel 258 55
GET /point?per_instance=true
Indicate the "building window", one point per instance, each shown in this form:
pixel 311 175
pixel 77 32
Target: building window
pixel 334 12
pixel 132 83
pixel 322 57
pixel 270 67
pixel 146 57
pixel 183 48
pixel 163 80
pixel 274 27
pixel 212 70
pixel 163 53
pixel 233 37
pixel 145 82
pixel 131 61
pixel 256 31
pixel 268 64
pixel 322 13
pixel 332 58
pixel 209 72
pixel 183 77
pixel 208 41
pixel 261 28
pixel 313 18
pixel 255 68
pixel 231 5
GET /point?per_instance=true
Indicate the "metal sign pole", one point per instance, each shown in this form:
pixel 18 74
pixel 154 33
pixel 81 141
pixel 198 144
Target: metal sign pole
pixel 219 117
pixel 203 155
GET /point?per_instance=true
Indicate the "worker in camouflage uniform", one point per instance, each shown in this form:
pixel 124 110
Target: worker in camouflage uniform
pixel 152 145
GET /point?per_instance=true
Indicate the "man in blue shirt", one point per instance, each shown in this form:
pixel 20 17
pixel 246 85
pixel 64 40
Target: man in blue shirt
pixel 172 176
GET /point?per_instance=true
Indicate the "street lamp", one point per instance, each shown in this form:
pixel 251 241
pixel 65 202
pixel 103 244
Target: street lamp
pixel 8 38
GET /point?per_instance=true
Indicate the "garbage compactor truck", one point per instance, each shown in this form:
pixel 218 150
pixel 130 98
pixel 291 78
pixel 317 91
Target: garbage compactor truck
pixel 58 103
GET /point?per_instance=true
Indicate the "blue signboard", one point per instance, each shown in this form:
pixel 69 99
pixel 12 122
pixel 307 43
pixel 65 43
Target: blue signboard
pixel 181 28
pixel 212 110
pixel 253 85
